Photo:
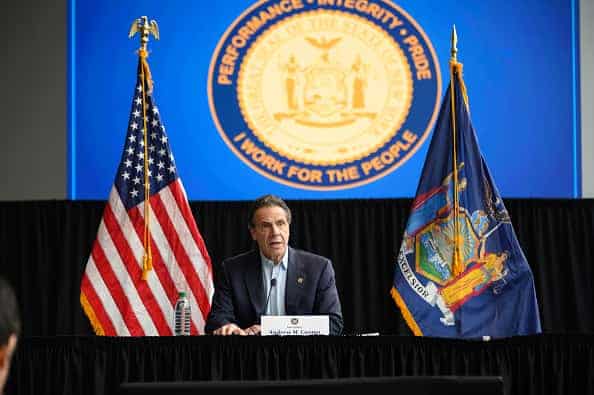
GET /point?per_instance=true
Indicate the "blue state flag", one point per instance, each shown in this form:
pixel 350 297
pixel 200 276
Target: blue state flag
pixel 460 271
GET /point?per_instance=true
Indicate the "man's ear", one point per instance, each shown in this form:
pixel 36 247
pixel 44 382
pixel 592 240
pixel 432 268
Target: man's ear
pixel 6 351
pixel 3 359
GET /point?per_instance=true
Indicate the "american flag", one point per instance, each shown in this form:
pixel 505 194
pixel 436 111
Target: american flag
pixel 114 296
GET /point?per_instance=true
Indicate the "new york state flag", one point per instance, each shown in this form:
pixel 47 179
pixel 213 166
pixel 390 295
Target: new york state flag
pixel 460 271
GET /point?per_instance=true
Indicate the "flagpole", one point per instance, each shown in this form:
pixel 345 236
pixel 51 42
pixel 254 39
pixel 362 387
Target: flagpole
pixel 145 28
pixel 457 264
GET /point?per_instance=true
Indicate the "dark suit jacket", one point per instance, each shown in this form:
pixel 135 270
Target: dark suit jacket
pixel 240 298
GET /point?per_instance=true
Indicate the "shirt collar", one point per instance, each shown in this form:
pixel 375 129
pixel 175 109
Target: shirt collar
pixel 268 262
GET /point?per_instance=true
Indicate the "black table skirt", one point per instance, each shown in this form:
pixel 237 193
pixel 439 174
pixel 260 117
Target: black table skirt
pixel 543 364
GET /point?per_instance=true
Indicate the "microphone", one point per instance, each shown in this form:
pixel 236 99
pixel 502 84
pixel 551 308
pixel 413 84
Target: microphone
pixel 272 284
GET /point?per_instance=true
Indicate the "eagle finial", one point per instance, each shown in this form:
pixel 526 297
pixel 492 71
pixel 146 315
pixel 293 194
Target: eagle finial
pixel 145 28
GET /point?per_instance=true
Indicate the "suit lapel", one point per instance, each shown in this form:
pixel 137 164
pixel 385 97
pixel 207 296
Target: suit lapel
pixel 253 282
pixel 295 282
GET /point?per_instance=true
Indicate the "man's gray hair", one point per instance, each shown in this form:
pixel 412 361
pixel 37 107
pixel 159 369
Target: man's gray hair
pixel 267 201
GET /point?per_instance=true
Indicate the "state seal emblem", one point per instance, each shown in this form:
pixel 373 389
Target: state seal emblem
pixel 324 94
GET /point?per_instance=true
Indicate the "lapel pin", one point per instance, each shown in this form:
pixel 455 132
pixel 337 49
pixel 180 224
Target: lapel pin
pixel 300 280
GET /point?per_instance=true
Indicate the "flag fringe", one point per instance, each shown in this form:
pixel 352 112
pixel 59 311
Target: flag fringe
pixel 412 324
pixel 91 315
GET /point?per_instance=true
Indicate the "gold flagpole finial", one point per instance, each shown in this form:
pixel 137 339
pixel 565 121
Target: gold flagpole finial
pixel 145 28
pixel 454 49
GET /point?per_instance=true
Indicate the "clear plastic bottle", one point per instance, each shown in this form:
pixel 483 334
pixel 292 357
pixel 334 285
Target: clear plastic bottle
pixel 182 319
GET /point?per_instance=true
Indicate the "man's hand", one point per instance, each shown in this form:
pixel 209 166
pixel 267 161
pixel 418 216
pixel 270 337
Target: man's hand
pixel 253 330
pixel 229 329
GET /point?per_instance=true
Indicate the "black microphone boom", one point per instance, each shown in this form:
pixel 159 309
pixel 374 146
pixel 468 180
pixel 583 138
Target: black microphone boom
pixel 272 284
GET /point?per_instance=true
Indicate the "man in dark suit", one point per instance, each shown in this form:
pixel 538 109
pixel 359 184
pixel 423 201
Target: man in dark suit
pixel 273 280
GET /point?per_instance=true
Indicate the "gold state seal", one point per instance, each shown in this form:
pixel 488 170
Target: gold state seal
pixel 324 94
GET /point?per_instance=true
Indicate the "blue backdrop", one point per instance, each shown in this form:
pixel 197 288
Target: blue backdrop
pixel 520 68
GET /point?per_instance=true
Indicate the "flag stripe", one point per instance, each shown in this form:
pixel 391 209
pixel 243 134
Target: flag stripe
pixel 196 256
pixel 95 303
pixel 185 269
pixel 189 258
pixel 160 268
pixel 117 280
pixel 163 244
pixel 179 193
pixel 132 225
pixel 106 294
pixel 133 265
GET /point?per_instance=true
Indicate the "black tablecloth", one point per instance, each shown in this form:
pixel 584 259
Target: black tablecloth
pixel 543 364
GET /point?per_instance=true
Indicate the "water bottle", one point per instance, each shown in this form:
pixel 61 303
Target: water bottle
pixel 182 319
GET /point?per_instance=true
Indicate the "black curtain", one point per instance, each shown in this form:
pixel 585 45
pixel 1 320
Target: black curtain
pixel 44 246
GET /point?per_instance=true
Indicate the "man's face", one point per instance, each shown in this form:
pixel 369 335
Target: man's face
pixel 271 232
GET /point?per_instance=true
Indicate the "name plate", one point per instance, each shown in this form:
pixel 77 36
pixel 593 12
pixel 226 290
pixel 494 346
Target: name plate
pixel 294 325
